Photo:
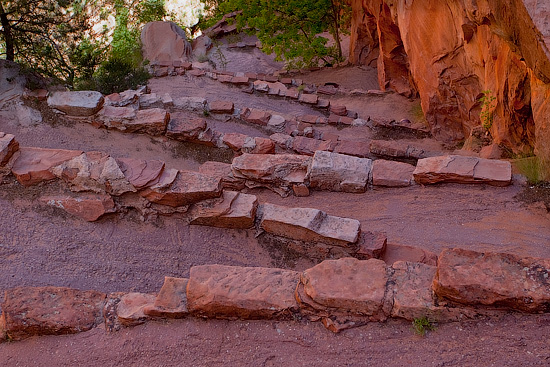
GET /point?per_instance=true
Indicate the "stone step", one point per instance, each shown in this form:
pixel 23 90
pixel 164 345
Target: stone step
pixel 171 301
pixel 233 210
pixel 79 104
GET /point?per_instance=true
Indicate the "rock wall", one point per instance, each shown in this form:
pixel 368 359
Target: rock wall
pixel 451 51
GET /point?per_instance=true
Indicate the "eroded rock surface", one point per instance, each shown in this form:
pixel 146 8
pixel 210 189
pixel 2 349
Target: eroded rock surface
pixel 80 103
pixel 339 172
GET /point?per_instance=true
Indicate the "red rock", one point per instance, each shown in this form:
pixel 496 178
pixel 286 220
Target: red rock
pixel 339 172
pixel 492 151
pixel 272 168
pixel 152 121
pixel 255 116
pixel 150 100
pixel 33 164
pixel 38 94
pixel 86 206
pixel 224 173
pixel 344 120
pixel 232 210
pixel 93 171
pixel 239 80
pixel 308 98
pixel 346 286
pixel 81 103
pixel 221 107
pixel 263 146
pixel 395 148
pixel 219 291
pixel 8 146
pixel 310 119
pixel 309 146
pixel 395 252
pixel 338 110
pixel 333 119
pixel 186 65
pixel 276 123
pixel 171 301
pixel 283 141
pixel 140 172
pixel 292 93
pixel 187 188
pixel 391 173
pixel 493 279
pixel 130 309
pixel 29 311
pixel 463 170
pixel 307 224
pixel 115 117
pixel 185 130
pixel 371 245
pixel 355 148
pixel 323 103
pixel 300 190
pixel 235 141
pixel 164 42
pixel 196 72
pixel 327 89
pixel 224 78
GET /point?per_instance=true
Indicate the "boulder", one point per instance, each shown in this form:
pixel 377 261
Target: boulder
pixel 493 279
pixel 309 225
pixel 8 146
pixel 164 43
pixel 188 187
pixel 93 171
pixel 454 168
pixel 224 173
pixel 130 309
pixel 140 172
pixel 80 103
pixel 29 311
pixel 345 286
pixel 171 301
pixel 33 165
pixel 89 207
pixel 232 210
pixel 219 291
pixel 184 129
pixel 281 169
pixel 392 173
pixel 339 172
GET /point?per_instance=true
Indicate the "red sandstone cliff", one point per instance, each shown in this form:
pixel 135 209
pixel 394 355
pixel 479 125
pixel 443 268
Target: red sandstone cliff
pixel 450 51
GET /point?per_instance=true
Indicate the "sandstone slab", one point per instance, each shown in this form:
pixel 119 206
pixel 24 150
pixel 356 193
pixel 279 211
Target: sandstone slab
pixel 219 291
pixel 256 116
pixel 152 121
pixel 80 103
pixel 309 225
pixel 221 107
pixel 309 146
pixel 8 146
pixel 130 309
pixel 308 98
pixel 185 130
pixel 224 173
pixel 391 173
pixel 187 187
pixel 150 100
pixel 339 172
pixel 371 245
pixel 232 210
pixel 355 148
pixel 271 168
pixel 462 169
pixel 235 141
pixel 395 149
pixel 346 286
pixel 140 172
pixel 113 117
pixel 171 301
pixel 89 207
pixel 493 279
pixel 33 164
pixel 28 311
pixel 190 103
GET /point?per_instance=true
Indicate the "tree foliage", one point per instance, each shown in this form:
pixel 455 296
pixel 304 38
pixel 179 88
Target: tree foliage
pixel 290 28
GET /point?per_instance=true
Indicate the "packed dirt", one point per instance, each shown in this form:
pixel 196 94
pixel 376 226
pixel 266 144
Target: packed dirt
pixel 42 246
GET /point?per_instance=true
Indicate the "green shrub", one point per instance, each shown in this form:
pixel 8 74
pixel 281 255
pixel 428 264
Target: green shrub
pixel 422 325
pixel 117 75
pixel 488 105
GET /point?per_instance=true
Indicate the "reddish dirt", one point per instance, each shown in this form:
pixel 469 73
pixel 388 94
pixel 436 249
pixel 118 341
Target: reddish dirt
pixel 43 246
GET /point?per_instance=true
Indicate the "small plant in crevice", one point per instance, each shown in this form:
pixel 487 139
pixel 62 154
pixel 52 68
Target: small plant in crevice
pixel 422 325
pixel 488 105
pixel 222 60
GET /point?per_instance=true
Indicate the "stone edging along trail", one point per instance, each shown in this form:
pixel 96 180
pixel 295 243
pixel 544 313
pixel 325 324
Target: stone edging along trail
pixel 463 285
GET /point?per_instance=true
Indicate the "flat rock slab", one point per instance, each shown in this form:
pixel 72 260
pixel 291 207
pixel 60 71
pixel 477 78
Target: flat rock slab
pixel 89 207
pixel 396 149
pixel 255 116
pixel 493 279
pixel 233 210
pixel 130 309
pixel 391 173
pixel 33 164
pixel 309 146
pixel 347 286
pixel 190 103
pixel 152 122
pixel 221 107
pixel 219 291
pixel 460 169
pixel 8 146
pixel 185 130
pixel 28 311
pixel 309 225
pixel 224 173
pixel 171 301
pixel 139 172
pixel 80 103
pixel 339 172
pixel 272 168
pixel 186 188
pixel 93 171
pixel 113 117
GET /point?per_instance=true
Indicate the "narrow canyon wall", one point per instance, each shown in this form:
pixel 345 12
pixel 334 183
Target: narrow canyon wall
pixel 450 51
